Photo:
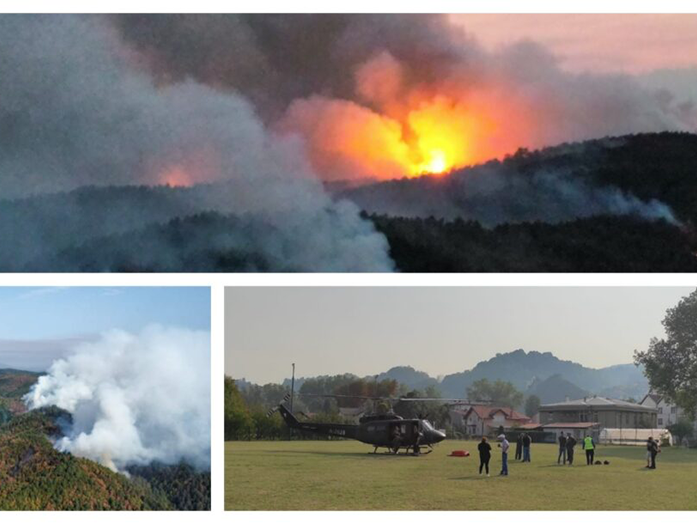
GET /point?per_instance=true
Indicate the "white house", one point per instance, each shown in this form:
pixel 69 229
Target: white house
pixel 668 413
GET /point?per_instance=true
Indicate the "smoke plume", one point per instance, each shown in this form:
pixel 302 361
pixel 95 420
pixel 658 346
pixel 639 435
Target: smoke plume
pixel 497 193
pixel 134 398
pixel 386 96
pixel 74 112
pixel 261 110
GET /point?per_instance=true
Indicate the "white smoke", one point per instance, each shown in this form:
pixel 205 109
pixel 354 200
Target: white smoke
pixel 134 398
pixel 74 113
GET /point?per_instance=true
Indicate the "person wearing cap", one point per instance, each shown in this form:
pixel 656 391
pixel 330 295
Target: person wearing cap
pixel 504 445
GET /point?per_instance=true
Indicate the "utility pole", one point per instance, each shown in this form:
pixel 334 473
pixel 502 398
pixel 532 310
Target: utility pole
pixel 375 400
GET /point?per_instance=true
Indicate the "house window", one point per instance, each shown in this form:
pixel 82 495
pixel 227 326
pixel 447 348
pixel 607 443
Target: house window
pixel 660 421
pixel 674 409
pixel 660 411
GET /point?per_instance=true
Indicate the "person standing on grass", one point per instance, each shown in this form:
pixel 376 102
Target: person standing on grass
pixel 654 450
pixel 649 447
pixel 561 459
pixel 484 455
pixel 570 443
pixel 526 447
pixel 504 445
pixel 519 446
pixel 589 447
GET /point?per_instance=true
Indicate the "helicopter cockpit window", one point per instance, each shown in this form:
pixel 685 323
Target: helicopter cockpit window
pixel 427 424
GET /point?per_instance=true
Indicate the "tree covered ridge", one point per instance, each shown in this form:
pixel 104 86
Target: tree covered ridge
pixel 599 244
pixel 36 476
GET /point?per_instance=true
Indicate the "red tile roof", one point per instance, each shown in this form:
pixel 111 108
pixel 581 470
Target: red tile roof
pixel 488 412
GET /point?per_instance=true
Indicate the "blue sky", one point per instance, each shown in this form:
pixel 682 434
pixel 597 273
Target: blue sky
pixel 38 325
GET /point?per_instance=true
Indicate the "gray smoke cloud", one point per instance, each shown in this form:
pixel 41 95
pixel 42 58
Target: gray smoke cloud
pixel 134 398
pixel 276 59
pixel 495 193
pixel 74 112
pixel 231 100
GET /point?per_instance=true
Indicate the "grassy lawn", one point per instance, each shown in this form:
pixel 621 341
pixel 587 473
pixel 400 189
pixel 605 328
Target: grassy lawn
pixel 342 475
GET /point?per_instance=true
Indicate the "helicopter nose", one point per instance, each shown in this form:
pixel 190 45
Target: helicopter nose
pixel 438 436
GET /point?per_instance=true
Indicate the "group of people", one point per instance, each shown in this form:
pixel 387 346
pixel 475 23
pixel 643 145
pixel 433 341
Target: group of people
pixel 522 447
pixel 652 449
pixel 567 443
pixel 484 449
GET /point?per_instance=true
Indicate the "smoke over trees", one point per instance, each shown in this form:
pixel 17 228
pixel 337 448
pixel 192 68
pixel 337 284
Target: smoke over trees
pixel 125 410
pixel 75 113
pixel 262 113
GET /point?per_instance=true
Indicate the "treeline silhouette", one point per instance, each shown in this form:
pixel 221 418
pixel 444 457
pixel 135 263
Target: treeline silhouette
pixel 598 244
pixel 161 229
pixel 247 408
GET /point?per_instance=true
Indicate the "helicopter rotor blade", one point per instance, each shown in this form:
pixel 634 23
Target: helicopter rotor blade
pixel 361 397
pixel 393 399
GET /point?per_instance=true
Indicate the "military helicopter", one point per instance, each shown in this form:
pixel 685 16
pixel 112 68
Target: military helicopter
pixel 387 430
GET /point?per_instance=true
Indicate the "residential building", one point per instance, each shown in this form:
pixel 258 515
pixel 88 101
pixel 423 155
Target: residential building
pixel 605 412
pixel 667 413
pixel 481 419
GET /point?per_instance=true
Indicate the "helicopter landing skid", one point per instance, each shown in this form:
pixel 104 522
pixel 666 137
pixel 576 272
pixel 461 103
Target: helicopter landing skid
pixel 408 451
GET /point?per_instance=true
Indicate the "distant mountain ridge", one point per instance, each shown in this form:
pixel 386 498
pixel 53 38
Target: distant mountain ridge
pixel 522 369
pixel 532 372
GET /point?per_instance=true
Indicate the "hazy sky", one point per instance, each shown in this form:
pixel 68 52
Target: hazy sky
pixel 327 331
pixel 636 43
pixel 40 324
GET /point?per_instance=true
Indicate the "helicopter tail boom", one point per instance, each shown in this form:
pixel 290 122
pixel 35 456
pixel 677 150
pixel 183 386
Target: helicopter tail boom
pixel 334 430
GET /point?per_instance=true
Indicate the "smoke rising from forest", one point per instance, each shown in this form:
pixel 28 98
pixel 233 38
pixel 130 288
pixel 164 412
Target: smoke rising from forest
pixel 134 398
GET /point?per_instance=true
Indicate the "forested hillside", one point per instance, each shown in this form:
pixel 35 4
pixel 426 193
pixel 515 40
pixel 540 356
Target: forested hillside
pixel 35 476
pixel 625 204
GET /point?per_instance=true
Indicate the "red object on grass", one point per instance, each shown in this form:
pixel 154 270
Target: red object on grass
pixel 459 453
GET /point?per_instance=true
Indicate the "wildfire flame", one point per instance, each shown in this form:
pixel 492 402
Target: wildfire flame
pixel 427 136
pixel 443 132
pixel 175 176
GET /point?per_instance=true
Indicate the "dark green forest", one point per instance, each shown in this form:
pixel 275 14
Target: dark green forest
pixel 148 229
pixel 600 244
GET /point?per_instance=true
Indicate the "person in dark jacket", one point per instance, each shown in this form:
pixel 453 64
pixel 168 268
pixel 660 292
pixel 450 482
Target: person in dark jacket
pixel 519 447
pixel 653 449
pixel 561 459
pixel 484 455
pixel 526 447
pixel 570 443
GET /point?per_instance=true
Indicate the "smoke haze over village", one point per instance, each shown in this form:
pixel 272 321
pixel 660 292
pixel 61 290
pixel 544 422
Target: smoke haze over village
pixel 436 330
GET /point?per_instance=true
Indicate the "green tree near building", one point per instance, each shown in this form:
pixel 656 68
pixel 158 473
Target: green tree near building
pixel 500 393
pixel 670 363
pixel 681 429
pixel 239 423
pixel 532 405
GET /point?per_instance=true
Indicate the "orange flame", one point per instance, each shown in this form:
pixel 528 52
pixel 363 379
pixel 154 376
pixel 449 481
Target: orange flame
pixel 175 176
pixel 429 134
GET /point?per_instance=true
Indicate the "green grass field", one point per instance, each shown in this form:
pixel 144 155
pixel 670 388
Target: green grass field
pixel 342 475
